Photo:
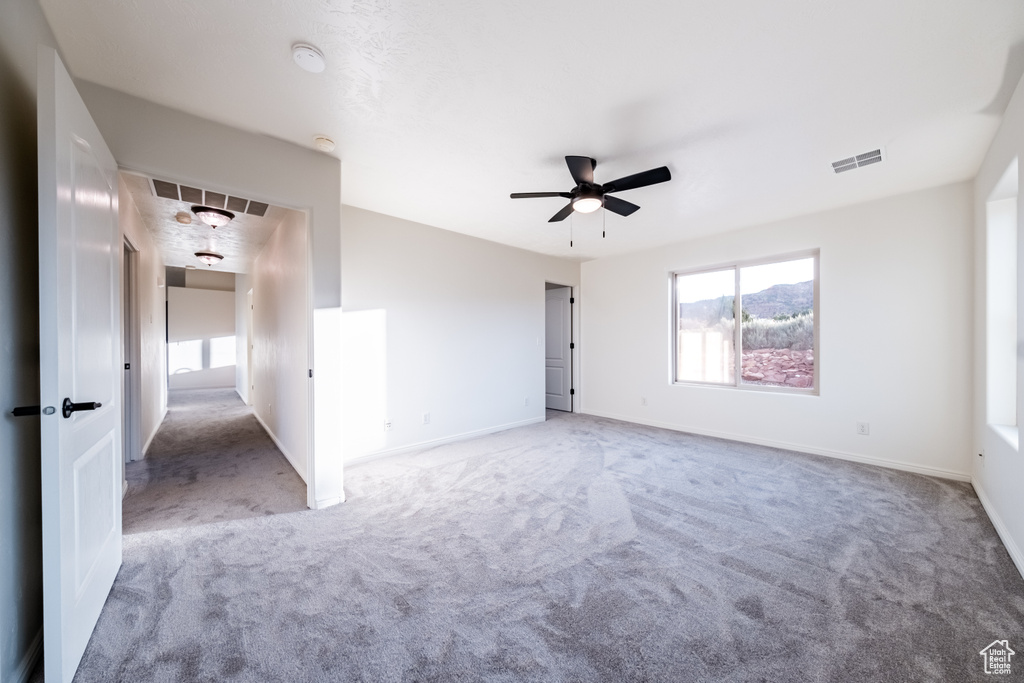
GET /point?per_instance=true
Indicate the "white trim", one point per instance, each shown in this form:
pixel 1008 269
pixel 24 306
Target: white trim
pixel 280 447
pixel 1004 534
pixel 328 502
pixel 421 445
pixel 149 441
pixel 28 662
pixel 799 448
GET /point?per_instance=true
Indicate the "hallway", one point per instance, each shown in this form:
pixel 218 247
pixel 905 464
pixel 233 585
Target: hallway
pixel 211 461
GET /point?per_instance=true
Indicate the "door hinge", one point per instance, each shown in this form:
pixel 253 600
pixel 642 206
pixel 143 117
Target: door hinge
pixel 311 373
pixel 572 299
pixel 572 345
pixel 572 392
pixel 127 366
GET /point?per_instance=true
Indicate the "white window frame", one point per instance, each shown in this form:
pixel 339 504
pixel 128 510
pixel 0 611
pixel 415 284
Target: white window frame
pixel 813 390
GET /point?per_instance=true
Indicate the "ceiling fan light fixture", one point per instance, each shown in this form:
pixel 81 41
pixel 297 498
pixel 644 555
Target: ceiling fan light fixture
pixel 209 257
pixel 587 204
pixel 212 216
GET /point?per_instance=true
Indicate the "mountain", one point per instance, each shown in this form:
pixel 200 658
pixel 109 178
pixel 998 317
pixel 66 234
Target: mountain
pixel 777 299
pixel 785 299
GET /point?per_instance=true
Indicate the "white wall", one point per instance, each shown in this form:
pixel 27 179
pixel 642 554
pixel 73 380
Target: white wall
pixel 200 314
pixel 242 287
pixel 204 278
pixel 280 357
pixel 150 295
pixel 895 336
pixel 22 29
pixel 439 322
pixel 998 475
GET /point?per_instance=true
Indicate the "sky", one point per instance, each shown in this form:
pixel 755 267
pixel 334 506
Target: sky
pixel 703 286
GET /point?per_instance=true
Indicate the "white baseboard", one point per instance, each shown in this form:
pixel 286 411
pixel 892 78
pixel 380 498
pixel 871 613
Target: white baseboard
pixel 156 428
pixel 420 445
pixel 1004 534
pixel 328 502
pixel 280 446
pixel 800 448
pixel 28 662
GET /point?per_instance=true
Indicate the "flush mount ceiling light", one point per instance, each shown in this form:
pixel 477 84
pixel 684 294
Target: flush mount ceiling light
pixel 209 257
pixel 309 58
pixel 213 217
pixel 183 217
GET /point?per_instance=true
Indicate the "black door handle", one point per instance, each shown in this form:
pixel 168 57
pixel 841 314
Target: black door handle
pixel 68 407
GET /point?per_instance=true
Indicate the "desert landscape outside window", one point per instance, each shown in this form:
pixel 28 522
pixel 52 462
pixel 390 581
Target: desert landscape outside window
pixel 775 304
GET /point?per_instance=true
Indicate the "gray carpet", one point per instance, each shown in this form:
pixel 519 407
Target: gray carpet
pixel 210 461
pixel 579 549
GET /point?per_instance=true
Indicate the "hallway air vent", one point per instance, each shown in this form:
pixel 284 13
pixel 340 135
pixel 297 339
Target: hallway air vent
pixel 219 200
pixel 257 208
pixel 865 159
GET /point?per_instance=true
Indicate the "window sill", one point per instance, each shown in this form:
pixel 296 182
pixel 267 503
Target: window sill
pixel 1009 434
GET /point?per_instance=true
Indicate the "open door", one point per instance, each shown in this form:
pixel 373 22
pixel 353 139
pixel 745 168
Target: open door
pixel 79 249
pixel 558 347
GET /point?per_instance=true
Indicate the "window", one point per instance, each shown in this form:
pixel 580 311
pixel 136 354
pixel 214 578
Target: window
pixel 775 302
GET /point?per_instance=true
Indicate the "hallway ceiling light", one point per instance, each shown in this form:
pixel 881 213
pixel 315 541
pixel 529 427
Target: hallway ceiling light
pixel 209 257
pixel 183 217
pixel 213 217
pixel 309 58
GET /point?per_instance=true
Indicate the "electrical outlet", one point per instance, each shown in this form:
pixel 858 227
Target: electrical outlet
pixel 387 425
pixel 643 400
pixel 426 418
pixel 863 428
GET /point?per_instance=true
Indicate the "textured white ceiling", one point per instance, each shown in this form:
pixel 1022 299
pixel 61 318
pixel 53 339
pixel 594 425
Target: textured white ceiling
pixel 239 242
pixel 442 108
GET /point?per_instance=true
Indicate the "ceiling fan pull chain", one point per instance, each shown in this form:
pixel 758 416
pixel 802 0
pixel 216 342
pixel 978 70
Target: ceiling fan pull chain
pixel 572 221
pixel 604 222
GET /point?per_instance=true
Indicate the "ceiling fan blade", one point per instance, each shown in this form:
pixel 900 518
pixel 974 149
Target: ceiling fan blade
pixel 642 179
pixel 561 215
pixel 619 206
pixel 530 195
pixel 581 168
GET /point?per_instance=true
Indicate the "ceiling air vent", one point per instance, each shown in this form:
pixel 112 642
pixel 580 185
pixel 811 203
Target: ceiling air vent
pixel 219 200
pixel 191 195
pixel 165 189
pixel 237 204
pixel 257 208
pixel 865 159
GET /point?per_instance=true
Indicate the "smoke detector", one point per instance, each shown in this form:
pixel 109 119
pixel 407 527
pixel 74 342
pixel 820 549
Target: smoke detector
pixel 309 58
pixel 323 143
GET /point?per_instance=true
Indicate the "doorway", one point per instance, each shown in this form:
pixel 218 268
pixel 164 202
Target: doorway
pixel 558 347
pixel 131 431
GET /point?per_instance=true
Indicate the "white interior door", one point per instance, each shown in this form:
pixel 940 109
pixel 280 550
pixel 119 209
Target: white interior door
pixel 79 248
pixel 557 353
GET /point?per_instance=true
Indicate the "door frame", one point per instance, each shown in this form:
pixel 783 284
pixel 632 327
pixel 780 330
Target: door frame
pixel 240 191
pixel 131 340
pixel 573 326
